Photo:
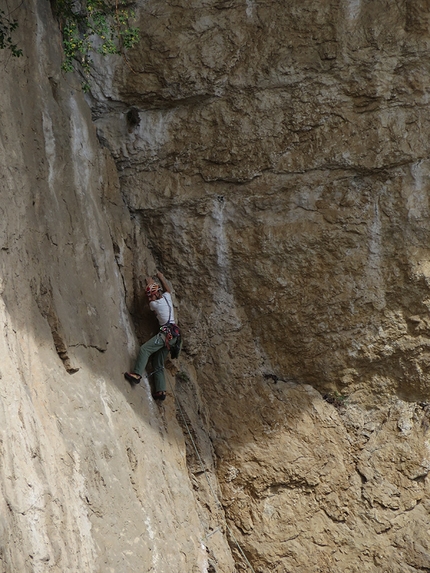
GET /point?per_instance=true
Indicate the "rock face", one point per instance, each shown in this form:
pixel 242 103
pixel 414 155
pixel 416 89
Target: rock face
pixel 273 160
pixel 93 474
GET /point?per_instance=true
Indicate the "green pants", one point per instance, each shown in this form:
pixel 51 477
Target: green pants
pixel 156 348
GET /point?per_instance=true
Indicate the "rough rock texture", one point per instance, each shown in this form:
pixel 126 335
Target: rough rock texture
pixel 273 159
pixel 278 164
pixel 319 111
pixel 93 474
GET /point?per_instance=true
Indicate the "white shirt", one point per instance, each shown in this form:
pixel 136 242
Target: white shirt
pixel 162 310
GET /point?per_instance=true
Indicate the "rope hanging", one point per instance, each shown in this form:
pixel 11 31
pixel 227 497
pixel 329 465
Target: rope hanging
pixel 230 532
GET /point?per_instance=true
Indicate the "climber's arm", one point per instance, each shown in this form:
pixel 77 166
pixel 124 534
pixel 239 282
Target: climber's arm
pixel 163 282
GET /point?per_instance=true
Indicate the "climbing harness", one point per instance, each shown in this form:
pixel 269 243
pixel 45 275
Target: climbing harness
pixel 203 469
pixel 170 331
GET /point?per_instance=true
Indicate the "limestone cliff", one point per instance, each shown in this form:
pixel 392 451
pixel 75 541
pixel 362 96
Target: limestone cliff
pixel 273 159
pixel 93 474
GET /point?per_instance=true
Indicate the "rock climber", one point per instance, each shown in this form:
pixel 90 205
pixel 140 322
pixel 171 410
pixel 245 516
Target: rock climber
pixel 159 345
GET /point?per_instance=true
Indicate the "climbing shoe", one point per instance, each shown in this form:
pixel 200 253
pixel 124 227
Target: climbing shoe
pixel 131 377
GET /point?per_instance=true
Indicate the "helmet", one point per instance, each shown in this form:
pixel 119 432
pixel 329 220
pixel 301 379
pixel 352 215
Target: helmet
pixel 152 289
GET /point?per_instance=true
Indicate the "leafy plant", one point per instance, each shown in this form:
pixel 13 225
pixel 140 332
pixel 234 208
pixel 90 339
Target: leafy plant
pixel 7 27
pixel 101 26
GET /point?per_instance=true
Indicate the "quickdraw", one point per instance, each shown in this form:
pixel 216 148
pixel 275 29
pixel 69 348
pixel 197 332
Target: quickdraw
pixel 170 331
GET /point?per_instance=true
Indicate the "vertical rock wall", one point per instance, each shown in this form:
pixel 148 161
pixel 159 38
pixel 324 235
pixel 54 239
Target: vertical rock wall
pixel 278 163
pixel 273 161
pixel 93 474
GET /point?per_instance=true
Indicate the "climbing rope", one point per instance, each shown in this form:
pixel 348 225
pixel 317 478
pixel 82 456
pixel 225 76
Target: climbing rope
pixel 230 532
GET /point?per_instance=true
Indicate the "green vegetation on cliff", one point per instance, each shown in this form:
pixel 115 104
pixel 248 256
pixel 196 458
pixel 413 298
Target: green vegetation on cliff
pixel 7 26
pixel 101 26
pixel 87 26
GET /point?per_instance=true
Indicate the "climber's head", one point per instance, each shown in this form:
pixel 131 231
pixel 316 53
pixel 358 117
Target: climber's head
pixel 153 291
